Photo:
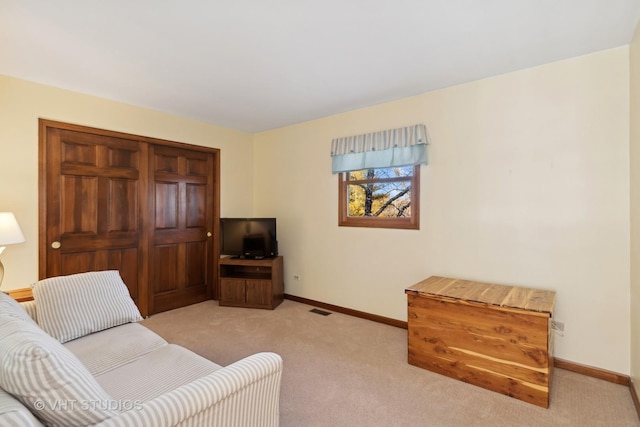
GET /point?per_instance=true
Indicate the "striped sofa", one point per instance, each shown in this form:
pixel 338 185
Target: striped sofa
pixel 77 356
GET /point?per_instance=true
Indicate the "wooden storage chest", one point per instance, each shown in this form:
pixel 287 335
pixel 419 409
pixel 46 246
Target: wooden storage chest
pixel 493 336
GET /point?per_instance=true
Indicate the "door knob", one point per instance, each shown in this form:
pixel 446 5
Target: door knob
pixel 56 245
pixel 209 234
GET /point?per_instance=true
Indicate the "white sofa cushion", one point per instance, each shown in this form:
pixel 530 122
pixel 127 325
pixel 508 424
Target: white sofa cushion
pixel 73 306
pixel 47 378
pixel 103 351
pixel 156 373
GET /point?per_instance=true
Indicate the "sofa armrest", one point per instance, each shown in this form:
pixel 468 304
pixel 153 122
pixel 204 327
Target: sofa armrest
pixel 14 413
pixel 245 393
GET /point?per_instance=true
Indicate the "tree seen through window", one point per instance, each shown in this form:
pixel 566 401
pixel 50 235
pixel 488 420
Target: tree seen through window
pixel 384 197
pixel 379 193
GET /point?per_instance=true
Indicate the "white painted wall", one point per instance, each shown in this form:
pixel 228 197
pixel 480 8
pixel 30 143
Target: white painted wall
pixel 634 55
pixel 22 103
pixel 528 184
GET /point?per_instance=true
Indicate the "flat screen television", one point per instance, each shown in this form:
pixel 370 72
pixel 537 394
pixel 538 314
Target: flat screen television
pixel 252 238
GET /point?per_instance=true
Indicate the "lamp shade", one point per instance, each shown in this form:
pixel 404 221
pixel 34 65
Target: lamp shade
pixel 10 232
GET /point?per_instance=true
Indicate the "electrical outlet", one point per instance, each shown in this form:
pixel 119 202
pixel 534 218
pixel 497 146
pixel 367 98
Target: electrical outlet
pixel 296 276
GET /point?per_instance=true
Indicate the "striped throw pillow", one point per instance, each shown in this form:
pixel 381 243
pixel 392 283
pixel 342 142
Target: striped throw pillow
pixel 47 378
pixel 11 307
pixel 73 306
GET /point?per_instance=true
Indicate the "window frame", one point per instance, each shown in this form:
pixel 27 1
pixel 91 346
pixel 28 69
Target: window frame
pixel 410 223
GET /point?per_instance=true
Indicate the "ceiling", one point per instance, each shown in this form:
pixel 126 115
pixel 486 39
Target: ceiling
pixel 255 65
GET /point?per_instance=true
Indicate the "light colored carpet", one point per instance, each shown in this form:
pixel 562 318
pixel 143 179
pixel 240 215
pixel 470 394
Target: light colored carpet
pixel 340 370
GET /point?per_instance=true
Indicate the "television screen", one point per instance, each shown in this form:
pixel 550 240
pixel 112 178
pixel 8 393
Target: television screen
pixel 252 238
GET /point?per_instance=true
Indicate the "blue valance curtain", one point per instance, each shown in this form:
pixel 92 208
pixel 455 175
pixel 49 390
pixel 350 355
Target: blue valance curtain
pixel 388 148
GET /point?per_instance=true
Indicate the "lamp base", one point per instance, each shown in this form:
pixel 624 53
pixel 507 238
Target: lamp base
pixel 1 273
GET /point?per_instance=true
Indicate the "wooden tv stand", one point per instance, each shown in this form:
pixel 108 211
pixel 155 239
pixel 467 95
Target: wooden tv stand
pixel 252 283
pixel 493 336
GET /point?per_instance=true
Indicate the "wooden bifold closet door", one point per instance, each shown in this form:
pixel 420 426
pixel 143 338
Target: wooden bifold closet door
pixel 145 207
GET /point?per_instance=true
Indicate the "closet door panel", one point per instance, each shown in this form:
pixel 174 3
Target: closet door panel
pixel 196 264
pixel 182 208
pixel 90 205
pixel 143 206
pixel 165 277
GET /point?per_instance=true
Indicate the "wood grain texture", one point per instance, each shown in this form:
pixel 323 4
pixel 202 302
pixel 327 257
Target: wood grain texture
pixel 116 201
pixel 488 293
pixel 251 283
pixel 182 213
pixel 590 371
pixel 483 334
pixel 21 295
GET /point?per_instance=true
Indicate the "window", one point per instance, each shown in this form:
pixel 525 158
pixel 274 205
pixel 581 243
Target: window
pixel 379 177
pixel 382 197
